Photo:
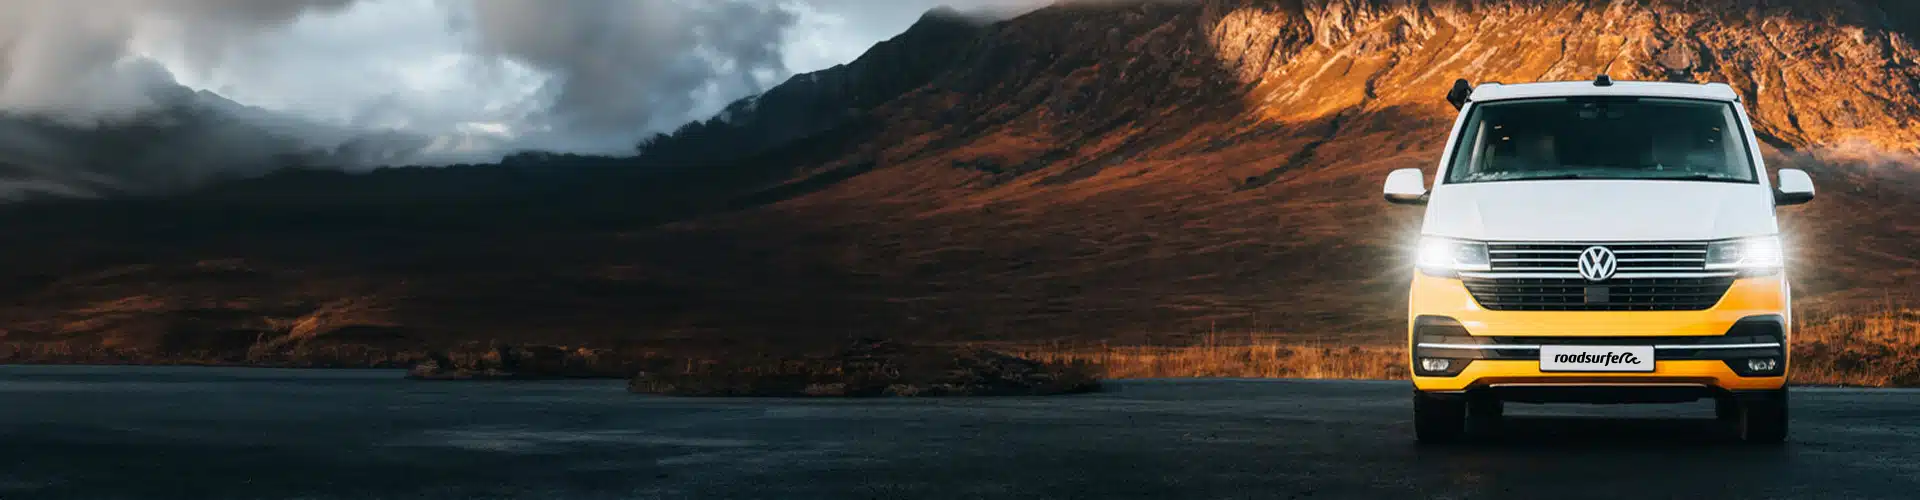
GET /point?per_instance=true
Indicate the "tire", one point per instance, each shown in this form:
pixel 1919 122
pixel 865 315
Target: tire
pixel 1438 420
pixel 1763 420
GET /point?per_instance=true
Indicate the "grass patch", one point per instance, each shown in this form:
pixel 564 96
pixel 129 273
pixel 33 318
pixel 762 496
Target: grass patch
pixel 1225 356
pixel 870 368
pixel 1877 348
pixel 1869 348
pixel 1872 347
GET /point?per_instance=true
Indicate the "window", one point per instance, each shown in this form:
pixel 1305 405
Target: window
pixel 1602 138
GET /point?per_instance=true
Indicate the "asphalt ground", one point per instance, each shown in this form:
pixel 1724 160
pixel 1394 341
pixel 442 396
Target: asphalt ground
pixel 120 432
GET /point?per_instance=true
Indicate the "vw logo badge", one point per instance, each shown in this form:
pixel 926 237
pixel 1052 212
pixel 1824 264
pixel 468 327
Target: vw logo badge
pixel 1598 264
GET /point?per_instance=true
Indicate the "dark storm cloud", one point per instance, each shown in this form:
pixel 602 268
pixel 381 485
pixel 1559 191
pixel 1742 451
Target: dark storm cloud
pixel 628 67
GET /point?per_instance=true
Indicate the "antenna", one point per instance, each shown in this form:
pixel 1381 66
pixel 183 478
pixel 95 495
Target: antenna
pixel 1603 81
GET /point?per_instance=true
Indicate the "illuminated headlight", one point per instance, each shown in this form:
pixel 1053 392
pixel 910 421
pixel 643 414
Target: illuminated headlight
pixel 1446 257
pixel 1752 255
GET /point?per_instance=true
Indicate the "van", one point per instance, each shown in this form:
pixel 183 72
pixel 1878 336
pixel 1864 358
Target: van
pixel 1599 242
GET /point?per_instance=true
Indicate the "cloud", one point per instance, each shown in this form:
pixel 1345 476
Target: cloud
pixel 84 110
pixel 406 65
pixel 619 69
pixel 76 64
pixel 832 32
pixel 471 79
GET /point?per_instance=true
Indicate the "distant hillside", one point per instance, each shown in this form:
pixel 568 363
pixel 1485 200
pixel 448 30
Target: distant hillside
pixel 1122 171
pixel 187 139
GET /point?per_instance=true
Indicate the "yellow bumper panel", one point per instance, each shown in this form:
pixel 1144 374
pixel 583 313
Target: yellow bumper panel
pixel 1748 297
pixel 1448 297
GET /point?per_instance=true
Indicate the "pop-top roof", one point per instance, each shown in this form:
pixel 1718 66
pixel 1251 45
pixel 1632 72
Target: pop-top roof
pixel 1499 92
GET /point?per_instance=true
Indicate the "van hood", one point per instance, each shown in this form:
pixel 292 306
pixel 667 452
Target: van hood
pixel 1600 210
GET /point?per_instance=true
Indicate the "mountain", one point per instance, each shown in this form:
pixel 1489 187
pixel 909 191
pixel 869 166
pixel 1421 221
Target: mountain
pixel 186 139
pixel 816 102
pixel 1120 171
pixel 1165 166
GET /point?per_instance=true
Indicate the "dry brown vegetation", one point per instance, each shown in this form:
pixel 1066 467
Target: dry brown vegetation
pixel 1880 348
pixel 1232 356
pixel 871 368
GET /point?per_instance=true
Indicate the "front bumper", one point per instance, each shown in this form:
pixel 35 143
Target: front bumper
pixel 1757 299
pixel 1607 394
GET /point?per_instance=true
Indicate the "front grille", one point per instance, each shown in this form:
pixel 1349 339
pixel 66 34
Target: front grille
pixel 1563 258
pixel 1578 294
pixel 1658 276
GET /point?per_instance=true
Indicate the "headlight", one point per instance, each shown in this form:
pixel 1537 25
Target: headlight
pixel 1760 255
pixel 1445 257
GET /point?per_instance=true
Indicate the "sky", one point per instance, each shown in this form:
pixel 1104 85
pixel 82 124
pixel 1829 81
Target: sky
pixel 479 77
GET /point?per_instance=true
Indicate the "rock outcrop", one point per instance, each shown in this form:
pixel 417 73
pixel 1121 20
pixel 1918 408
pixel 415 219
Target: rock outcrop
pixel 1814 72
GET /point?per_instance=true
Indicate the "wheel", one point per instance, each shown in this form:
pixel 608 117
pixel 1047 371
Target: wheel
pixel 1437 419
pixel 1763 419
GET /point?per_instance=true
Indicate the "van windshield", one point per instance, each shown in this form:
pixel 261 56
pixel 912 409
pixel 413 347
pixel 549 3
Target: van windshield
pixel 1602 138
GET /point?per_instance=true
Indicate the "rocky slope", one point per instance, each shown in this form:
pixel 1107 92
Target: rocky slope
pixel 1123 171
pixel 1166 167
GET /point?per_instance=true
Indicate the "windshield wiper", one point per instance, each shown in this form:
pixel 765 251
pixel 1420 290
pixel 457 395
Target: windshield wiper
pixel 1695 177
pixel 1511 178
pixel 1555 177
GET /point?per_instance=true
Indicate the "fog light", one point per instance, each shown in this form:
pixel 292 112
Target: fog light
pixel 1435 364
pixel 1762 364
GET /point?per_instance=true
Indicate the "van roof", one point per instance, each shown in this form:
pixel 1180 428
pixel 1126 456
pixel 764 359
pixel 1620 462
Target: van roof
pixel 1500 92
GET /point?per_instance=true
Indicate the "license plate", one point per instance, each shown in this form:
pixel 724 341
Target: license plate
pixel 1595 358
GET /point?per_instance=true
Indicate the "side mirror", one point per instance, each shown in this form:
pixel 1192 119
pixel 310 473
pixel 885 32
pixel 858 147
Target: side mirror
pixel 1458 95
pixel 1407 186
pixel 1795 188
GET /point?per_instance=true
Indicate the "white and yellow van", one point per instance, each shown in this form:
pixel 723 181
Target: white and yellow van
pixel 1599 242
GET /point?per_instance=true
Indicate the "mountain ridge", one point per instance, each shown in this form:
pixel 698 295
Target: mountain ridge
pixel 811 103
pixel 1130 172
pixel 184 140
